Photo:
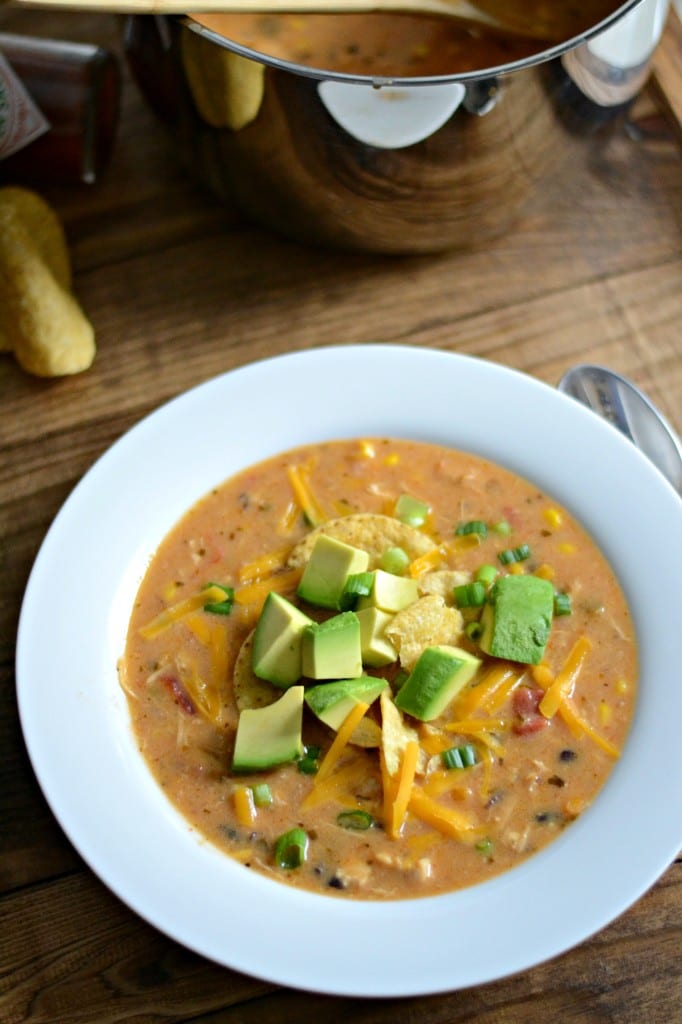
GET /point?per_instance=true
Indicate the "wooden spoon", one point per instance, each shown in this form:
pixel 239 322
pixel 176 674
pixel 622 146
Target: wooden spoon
pixel 462 9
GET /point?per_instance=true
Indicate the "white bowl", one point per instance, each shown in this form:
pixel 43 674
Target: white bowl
pixel 75 719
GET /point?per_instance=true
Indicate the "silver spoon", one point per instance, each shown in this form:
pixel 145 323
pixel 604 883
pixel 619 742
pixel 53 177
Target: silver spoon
pixel 619 401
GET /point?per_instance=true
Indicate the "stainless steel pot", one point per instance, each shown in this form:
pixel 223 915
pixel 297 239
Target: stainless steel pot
pixel 372 156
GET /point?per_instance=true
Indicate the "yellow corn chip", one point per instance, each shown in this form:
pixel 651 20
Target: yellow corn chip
pixel 426 623
pixel 372 533
pixel 249 690
pixel 442 582
pixel 395 735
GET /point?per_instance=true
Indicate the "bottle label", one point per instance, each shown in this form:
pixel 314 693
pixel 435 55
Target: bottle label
pixel 21 122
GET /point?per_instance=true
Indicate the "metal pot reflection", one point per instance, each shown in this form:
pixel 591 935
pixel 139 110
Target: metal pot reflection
pixel 392 166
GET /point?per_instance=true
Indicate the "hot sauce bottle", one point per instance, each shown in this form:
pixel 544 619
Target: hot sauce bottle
pixel 59 107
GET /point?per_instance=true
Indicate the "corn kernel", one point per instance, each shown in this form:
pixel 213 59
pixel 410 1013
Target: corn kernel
pixel 516 569
pixel 545 572
pixel 553 517
pixel 465 541
pixel 567 548
pixel 392 460
pixel 575 806
pixel 244 806
pixel 605 712
pixel 543 675
pixel 170 591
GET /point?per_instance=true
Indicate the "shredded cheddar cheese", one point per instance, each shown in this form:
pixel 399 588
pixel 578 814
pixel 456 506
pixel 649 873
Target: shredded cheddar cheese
pixel 255 593
pixel 578 724
pixel 482 693
pixel 423 563
pixel 563 684
pixel 447 820
pixel 244 806
pixel 267 564
pixel 340 741
pixel 408 767
pixel 178 611
pixel 304 494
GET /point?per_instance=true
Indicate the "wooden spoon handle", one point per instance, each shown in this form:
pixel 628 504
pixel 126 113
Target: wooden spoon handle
pixel 449 8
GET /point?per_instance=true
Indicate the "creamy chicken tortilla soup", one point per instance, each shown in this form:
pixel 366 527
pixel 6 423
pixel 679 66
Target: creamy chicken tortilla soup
pixel 379 668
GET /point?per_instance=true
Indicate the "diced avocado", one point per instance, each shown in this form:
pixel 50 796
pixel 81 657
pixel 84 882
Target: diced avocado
pixel 376 648
pixel 390 593
pixel 517 621
pixel 331 562
pixel 277 641
pixel 436 679
pixel 331 649
pixel 271 735
pixel 333 702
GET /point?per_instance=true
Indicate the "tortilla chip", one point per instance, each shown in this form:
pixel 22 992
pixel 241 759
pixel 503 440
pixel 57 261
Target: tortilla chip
pixel 372 533
pixel 366 734
pixel 442 582
pixel 395 735
pixel 249 690
pixel 426 623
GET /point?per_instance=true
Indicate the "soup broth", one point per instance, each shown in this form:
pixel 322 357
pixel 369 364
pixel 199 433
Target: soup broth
pixel 442 802
pixel 408 45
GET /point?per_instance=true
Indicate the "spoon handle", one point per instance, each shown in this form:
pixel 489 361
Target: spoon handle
pixel 447 8
pixel 619 401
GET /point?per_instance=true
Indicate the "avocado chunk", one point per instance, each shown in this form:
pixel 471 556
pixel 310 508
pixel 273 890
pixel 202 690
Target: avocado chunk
pixel 436 679
pixel 375 647
pixel 517 621
pixel 333 702
pixel 331 649
pixel 390 593
pixel 277 641
pixel 331 562
pixel 271 735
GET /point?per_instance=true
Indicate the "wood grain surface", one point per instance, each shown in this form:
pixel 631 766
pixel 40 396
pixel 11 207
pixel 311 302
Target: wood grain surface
pixel 181 288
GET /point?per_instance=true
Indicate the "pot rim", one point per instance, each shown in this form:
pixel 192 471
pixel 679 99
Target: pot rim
pixel 379 81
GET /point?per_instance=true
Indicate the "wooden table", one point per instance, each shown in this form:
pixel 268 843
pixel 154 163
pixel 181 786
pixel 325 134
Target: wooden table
pixel 179 290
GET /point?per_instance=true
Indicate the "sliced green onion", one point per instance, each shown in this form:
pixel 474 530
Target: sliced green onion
pixel 503 528
pixel 262 796
pixel 486 574
pixel 473 526
pixel 394 560
pixel 309 763
pixel 357 820
pixel 470 595
pixel 474 630
pixel 411 511
pixel 485 846
pixel 510 555
pixel 291 849
pixel 358 584
pixel 562 604
pixel 220 607
pixel 463 756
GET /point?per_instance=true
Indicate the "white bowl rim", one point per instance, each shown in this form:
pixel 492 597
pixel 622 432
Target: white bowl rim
pixel 73 713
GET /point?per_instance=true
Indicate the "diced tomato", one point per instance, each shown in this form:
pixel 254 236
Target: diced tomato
pixel 180 695
pixel 525 703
